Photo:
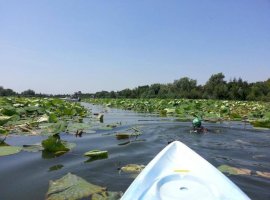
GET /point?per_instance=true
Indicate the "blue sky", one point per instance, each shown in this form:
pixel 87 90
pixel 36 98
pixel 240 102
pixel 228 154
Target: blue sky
pixel 64 46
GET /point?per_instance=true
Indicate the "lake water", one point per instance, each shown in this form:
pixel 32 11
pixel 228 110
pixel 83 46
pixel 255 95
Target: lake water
pixel 26 175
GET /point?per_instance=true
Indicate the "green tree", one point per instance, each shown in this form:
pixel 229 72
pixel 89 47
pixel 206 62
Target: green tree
pixel 28 93
pixel 215 87
pixel 184 86
pixel 153 90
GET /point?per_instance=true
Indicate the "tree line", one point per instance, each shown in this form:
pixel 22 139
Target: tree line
pixel 215 88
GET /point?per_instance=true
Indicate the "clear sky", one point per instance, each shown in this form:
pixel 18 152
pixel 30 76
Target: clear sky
pixel 63 46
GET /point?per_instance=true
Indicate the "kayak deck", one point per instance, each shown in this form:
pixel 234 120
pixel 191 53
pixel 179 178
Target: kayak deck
pixel 177 172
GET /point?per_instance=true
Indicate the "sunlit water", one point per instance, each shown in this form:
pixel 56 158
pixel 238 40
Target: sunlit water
pixel 26 175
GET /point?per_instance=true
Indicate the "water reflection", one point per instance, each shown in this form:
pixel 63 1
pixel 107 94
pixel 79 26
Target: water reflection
pixel 55 167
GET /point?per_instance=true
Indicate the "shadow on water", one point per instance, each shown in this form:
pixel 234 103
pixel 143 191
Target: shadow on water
pixel 224 144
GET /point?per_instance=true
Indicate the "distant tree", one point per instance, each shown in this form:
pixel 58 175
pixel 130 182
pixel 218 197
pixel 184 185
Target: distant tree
pixel 102 94
pixel 238 89
pixel 184 86
pixel 153 90
pixel 166 91
pixel 141 91
pixel 126 93
pixel 113 94
pixel 215 87
pixel 259 91
pixel 6 92
pixel 28 93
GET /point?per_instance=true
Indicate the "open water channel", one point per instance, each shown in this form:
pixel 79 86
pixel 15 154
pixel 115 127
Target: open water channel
pixel 26 175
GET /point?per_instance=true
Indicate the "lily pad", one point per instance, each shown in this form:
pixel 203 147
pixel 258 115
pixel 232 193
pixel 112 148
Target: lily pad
pixel 233 170
pixel 107 196
pixel 53 118
pixel 97 154
pixel 8 110
pixel 71 187
pixel 169 110
pixel 44 118
pixel 9 150
pixel 132 168
pixel 4 119
pixel 263 174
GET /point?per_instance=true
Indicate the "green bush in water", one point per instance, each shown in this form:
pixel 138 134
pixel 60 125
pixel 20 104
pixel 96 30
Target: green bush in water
pixel 54 144
pixel 264 123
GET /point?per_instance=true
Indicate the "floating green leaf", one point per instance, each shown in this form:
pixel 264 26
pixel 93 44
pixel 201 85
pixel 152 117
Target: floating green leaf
pixel 132 168
pixel 53 118
pixel 233 170
pixel 44 118
pixel 8 110
pixel 169 110
pixel 263 174
pixel 242 171
pixel 4 119
pixel 9 150
pixel 106 195
pixel 72 187
pixel 95 153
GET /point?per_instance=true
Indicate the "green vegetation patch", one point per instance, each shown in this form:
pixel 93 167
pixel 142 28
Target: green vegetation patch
pixel 264 123
pixel 186 109
pixel 4 119
pixel 54 144
pixel 39 115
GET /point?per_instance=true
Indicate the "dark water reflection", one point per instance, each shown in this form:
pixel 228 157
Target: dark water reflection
pixel 26 175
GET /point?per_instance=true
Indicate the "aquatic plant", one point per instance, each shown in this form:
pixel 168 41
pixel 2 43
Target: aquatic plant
pixel 9 150
pixel 186 109
pixel 71 187
pixel 38 115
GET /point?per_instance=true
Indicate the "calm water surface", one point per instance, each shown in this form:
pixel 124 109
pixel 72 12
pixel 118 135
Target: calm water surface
pixel 26 175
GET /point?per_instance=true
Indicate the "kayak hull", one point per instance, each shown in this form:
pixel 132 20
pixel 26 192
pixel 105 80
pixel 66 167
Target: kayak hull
pixel 177 172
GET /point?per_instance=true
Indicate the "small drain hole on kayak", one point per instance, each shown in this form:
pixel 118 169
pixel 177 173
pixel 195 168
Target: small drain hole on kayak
pixel 183 188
